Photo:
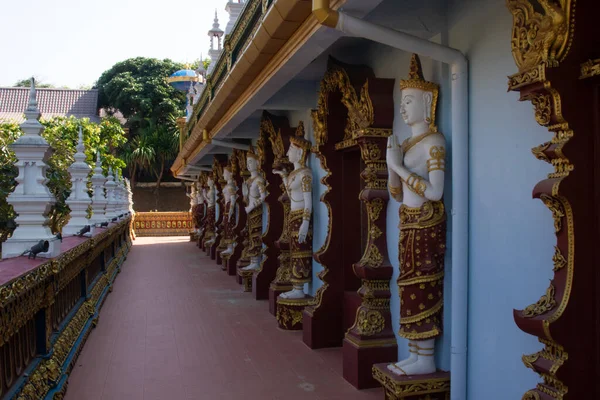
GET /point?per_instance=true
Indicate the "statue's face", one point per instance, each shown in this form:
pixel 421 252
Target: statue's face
pixel 251 164
pixel 226 174
pixel 294 153
pixel 210 182
pixel 414 104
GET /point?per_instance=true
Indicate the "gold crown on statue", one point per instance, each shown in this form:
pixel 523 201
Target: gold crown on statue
pixel 251 154
pixel 417 81
pixel 299 140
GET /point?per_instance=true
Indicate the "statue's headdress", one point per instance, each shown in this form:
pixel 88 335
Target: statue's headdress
pixel 416 81
pixel 251 154
pixel 300 141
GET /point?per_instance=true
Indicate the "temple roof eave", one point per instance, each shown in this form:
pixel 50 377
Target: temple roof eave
pixel 283 31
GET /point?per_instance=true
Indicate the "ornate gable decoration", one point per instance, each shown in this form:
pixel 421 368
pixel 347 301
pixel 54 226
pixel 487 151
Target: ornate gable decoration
pixel 361 113
pixel 539 39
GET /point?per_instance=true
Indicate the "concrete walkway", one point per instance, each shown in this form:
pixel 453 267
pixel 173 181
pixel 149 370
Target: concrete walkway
pixel 177 327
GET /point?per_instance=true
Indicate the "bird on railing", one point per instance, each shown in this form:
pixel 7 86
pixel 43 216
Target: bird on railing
pixel 82 231
pixel 41 247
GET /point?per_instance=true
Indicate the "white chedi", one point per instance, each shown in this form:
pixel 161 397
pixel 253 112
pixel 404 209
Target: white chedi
pixel 110 186
pixel 79 199
pixel 122 196
pixel 99 198
pixel 129 196
pixel 31 198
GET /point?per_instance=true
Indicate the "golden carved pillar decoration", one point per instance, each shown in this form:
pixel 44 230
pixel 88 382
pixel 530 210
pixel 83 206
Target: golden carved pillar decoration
pixel 282 282
pixel 219 181
pixel 553 75
pixel 262 279
pixel 371 120
pixel 355 113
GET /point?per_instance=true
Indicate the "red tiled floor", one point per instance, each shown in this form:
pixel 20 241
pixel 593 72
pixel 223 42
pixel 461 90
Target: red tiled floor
pixel 177 327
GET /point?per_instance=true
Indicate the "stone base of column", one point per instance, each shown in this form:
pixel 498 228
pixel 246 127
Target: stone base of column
pixel 434 386
pixel 289 312
pixel 360 355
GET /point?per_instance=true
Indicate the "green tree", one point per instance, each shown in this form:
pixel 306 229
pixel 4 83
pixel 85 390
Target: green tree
pixel 38 83
pixel 137 87
pixel 8 172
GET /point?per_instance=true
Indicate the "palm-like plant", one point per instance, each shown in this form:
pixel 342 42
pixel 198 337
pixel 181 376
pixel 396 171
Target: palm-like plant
pixel 165 141
pixel 139 154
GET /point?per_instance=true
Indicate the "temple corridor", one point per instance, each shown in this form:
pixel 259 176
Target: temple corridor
pixel 177 327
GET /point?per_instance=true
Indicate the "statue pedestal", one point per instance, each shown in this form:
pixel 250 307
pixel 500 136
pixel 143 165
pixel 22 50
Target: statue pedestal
pixel 275 289
pixel 225 262
pixel 360 355
pixel 434 386
pixel 289 312
pixel 246 279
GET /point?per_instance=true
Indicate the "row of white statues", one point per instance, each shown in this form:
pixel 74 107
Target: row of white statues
pixel 32 200
pixel 416 172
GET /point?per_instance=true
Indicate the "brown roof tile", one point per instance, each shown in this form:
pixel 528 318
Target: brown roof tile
pixel 51 102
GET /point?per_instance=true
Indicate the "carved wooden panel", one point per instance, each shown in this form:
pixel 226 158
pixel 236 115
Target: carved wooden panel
pixel 554 46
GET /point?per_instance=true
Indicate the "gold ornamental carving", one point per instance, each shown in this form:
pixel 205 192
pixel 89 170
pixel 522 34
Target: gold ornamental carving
pixel 590 68
pixel 369 322
pixel 557 209
pixel 541 37
pixel 372 257
pixel 559 260
pixel 411 388
pixel 374 209
pixel 542 31
pixel 539 152
pixel 288 317
pixel 544 304
pixel 360 109
pixel 543 108
pixel 370 152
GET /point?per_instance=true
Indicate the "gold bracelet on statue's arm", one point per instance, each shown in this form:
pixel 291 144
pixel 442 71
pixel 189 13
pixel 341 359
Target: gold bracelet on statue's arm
pixel 395 190
pixel 306 183
pixel 416 184
pixel 306 214
pixel 437 160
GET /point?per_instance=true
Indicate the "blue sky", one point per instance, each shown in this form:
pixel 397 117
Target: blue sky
pixel 71 42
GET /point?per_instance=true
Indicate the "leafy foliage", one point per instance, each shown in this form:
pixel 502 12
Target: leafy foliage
pixel 27 83
pixel 62 135
pixel 8 172
pixel 138 88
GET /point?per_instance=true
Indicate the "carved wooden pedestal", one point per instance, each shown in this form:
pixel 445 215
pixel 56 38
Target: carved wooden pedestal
pixel 434 386
pixel 289 312
pixel 274 292
pixel 246 279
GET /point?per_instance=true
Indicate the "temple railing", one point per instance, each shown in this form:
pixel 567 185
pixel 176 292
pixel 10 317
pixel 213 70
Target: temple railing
pixel 163 223
pixel 48 307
